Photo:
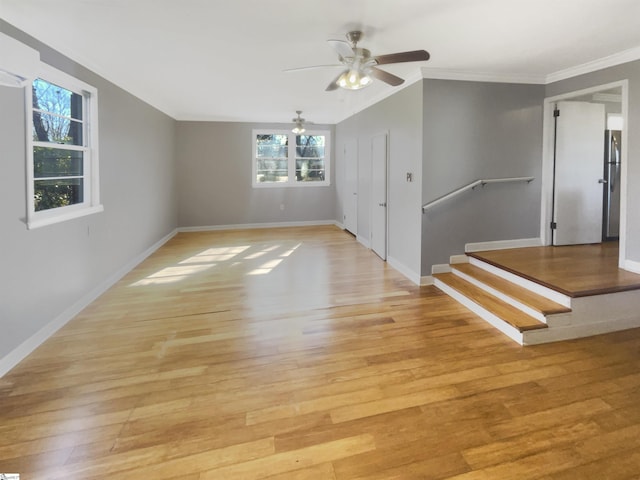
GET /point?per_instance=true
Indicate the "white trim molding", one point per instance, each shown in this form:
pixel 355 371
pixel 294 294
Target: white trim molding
pixel 610 61
pixel 249 226
pixel 503 244
pixel 547 159
pixel 470 76
pixel 404 270
pixel 631 266
pixel 440 268
pixel 34 341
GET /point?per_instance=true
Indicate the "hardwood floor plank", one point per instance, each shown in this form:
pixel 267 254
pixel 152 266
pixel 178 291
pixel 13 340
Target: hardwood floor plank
pixel 296 353
pixel 575 270
pixel 324 471
pixel 401 402
pixel 621 467
pixel 295 459
pixel 529 443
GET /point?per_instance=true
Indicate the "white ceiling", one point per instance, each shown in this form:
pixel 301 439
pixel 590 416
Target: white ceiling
pixel 215 60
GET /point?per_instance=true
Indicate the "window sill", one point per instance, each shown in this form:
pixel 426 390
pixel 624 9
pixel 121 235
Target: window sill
pixel 291 185
pixel 63 217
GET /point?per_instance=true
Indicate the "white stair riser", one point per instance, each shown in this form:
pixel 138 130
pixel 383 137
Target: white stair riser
pixel 578 330
pixel 541 290
pixel 505 298
pixel 495 321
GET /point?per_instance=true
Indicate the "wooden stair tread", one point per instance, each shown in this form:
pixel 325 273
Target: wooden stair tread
pixel 526 297
pixel 511 315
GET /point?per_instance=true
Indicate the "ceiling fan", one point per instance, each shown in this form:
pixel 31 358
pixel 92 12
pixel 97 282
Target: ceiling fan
pixel 362 67
pixel 299 122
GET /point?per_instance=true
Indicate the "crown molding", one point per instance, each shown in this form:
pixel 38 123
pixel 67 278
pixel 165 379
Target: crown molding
pixel 466 75
pixel 610 61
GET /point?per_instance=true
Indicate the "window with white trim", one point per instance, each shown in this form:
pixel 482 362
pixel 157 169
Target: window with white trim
pixel 284 159
pixel 62 154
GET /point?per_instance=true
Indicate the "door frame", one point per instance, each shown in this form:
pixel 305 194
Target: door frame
pixel 372 200
pixel 348 193
pixel 548 138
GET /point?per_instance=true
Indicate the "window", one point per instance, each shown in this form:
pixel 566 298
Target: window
pixel 62 149
pixel 275 164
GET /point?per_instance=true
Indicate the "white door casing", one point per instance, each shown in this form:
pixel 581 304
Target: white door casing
pixel 350 207
pixel 578 173
pixel 379 195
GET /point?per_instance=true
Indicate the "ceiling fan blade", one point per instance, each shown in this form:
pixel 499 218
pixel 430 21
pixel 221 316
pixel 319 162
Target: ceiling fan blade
pixel 312 67
pixel 386 77
pixel 334 83
pixel 343 48
pixel 413 56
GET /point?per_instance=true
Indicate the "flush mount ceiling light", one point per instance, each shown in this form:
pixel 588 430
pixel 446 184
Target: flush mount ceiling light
pixel 298 127
pixel 361 66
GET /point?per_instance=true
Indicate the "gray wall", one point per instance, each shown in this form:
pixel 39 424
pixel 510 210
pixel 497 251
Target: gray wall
pixel 630 71
pixel 476 130
pixel 47 270
pixel 400 115
pixel 213 171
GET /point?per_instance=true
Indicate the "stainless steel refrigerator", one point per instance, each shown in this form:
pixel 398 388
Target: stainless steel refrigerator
pixel 612 162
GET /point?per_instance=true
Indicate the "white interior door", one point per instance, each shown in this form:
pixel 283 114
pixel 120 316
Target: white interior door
pixel 350 206
pixel 578 173
pixel 379 195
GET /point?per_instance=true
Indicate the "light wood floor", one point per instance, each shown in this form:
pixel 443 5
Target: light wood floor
pixel 298 354
pixel 575 270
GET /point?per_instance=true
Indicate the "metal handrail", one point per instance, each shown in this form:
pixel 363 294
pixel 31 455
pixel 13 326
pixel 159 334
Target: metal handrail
pixel 471 186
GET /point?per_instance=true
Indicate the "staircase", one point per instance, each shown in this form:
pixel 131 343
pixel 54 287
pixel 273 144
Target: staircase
pixel 531 313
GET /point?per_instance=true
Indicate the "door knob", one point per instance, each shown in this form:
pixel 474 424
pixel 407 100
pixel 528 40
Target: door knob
pixel 602 180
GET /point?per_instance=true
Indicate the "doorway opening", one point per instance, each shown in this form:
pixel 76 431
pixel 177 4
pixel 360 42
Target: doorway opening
pixel 561 198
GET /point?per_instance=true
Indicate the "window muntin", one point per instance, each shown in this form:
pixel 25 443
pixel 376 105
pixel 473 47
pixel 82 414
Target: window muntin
pixel 63 156
pixel 277 164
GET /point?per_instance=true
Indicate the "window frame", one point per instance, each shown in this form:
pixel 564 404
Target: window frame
pixel 291 160
pixel 91 181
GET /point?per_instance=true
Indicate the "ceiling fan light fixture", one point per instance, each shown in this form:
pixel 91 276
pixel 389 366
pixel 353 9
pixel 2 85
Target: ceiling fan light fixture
pixel 354 79
pixel 298 124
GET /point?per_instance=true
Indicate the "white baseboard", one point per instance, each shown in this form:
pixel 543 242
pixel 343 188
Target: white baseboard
pixel 427 280
pixel 486 315
pixel 248 226
pixel 404 270
pixel 458 259
pixel 364 241
pixel 440 268
pixel 34 341
pixel 503 244
pixel 632 266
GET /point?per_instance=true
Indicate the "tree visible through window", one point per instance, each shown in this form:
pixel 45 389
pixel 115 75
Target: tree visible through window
pixel 58 170
pixel 62 157
pixel 310 157
pixel 272 158
pixel 276 164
